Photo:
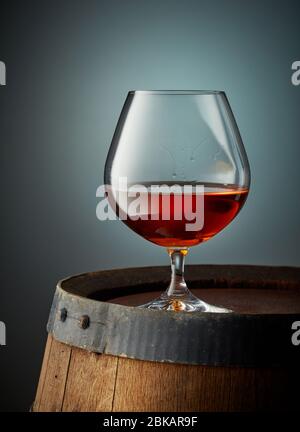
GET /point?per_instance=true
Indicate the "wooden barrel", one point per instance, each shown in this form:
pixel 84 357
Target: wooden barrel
pixel 105 354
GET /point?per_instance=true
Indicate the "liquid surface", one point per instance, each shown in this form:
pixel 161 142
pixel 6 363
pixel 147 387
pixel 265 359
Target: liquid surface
pixel 221 204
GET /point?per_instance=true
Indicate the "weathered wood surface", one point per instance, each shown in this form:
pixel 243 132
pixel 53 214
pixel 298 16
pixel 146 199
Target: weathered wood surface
pixel 266 301
pixel 264 309
pixel 96 382
pixel 51 388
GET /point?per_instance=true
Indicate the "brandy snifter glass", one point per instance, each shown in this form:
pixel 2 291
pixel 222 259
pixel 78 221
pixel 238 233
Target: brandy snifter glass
pixel 182 154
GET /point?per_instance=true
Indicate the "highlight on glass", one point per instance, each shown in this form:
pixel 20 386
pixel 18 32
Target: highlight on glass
pixel 177 174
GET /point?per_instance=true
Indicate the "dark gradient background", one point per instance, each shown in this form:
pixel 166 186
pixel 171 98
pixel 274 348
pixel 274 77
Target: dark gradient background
pixel 70 65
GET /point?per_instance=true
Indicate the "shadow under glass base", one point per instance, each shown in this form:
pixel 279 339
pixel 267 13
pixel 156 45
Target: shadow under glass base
pixel 185 303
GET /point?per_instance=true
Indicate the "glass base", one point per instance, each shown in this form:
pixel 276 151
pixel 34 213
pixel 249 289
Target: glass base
pixel 183 303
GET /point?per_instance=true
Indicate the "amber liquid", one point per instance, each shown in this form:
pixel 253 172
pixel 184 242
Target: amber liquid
pixel 221 204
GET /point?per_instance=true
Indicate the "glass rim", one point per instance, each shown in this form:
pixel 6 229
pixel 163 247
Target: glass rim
pixel 177 92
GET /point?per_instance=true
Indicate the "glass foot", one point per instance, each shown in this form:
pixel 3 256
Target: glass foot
pixel 184 303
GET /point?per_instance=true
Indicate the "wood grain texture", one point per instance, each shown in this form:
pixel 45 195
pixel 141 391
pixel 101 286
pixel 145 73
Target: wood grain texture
pixel 91 382
pixel 73 379
pixel 150 386
pixel 43 373
pixel 130 359
pixel 52 387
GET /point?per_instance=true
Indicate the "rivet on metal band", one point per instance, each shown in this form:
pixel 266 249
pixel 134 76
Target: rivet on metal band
pixel 84 322
pixel 62 314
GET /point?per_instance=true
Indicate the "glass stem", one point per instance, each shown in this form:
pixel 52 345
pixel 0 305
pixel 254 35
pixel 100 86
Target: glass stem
pixel 177 287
